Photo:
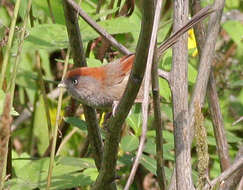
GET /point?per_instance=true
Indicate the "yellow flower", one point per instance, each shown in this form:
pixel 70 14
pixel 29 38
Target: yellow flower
pixel 192 42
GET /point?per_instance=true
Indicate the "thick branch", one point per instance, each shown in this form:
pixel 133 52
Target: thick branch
pixel 146 90
pixel 179 87
pixel 107 172
pixel 79 60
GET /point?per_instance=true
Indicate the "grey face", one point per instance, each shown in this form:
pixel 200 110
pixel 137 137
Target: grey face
pixel 73 87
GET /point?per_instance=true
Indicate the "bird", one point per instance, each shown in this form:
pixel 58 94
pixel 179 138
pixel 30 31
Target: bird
pixel 100 87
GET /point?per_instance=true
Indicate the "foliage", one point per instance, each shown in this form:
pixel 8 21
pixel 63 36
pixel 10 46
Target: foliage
pixel 30 137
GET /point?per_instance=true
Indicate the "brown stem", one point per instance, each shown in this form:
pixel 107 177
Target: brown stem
pixel 179 87
pixel 215 111
pixel 79 60
pixel 108 168
pixel 206 58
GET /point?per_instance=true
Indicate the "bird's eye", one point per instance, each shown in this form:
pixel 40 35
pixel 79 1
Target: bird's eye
pixel 74 81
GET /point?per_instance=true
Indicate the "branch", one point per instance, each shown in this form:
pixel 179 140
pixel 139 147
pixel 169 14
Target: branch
pixel 147 81
pixel 79 60
pixel 5 132
pixel 179 87
pixel 158 125
pixel 226 174
pixel 164 74
pixel 206 58
pixel 215 111
pixel 108 167
pixel 98 29
pixel 234 179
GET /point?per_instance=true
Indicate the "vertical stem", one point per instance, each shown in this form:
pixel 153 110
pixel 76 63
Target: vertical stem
pixel 158 123
pixel 179 87
pixel 5 125
pixel 53 147
pixel 51 12
pixel 76 46
pixel 9 44
pixel 43 92
pixel 18 58
pixel 213 99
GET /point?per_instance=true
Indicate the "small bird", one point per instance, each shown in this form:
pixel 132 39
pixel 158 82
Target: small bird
pixel 100 87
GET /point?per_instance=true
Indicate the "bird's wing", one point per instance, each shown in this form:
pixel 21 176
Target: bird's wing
pixel 117 70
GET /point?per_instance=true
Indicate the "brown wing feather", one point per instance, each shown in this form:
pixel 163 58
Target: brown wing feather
pixel 116 71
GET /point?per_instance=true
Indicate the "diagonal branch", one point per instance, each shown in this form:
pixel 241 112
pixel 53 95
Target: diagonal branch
pixel 226 174
pixel 206 58
pixel 147 80
pixel 107 172
pixel 98 29
pixel 215 111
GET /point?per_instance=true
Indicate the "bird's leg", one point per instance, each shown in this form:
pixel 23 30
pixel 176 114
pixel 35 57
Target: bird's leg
pixel 114 106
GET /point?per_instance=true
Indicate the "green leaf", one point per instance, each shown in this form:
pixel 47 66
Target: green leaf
pixel 76 122
pixel 129 143
pixel 80 162
pixel 33 174
pixel 92 62
pixel 135 121
pixel 149 163
pixel 232 4
pixel 92 173
pixel 232 138
pixel 164 89
pixel 40 127
pixel 192 74
pixel 47 36
pixel 4 20
pixel 57 9
pixel 54 36
pixel 2 102
pixel 150 146
pixel 235 30
pixel 236 84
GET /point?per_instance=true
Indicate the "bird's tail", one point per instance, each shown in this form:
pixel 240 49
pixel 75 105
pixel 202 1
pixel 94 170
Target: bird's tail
pixel 202 14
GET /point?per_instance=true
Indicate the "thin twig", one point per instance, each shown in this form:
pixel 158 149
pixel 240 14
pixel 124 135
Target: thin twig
pixel 65 140
pixel 147 81
pixel 226 174
pixel 238 120
pixel 20 47
pixel 9 44
pixel 206 58
pixel 43 92
pixel 58 117
pixel 158 125
pixel 51 12
pixel 164 74
pixel 215 111
pixel 234 179
pixel 98 29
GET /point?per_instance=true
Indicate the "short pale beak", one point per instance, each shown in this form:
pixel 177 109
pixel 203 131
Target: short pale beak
pixel 62 85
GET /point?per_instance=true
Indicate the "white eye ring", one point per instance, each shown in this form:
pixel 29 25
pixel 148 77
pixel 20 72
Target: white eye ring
pixel 75 82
